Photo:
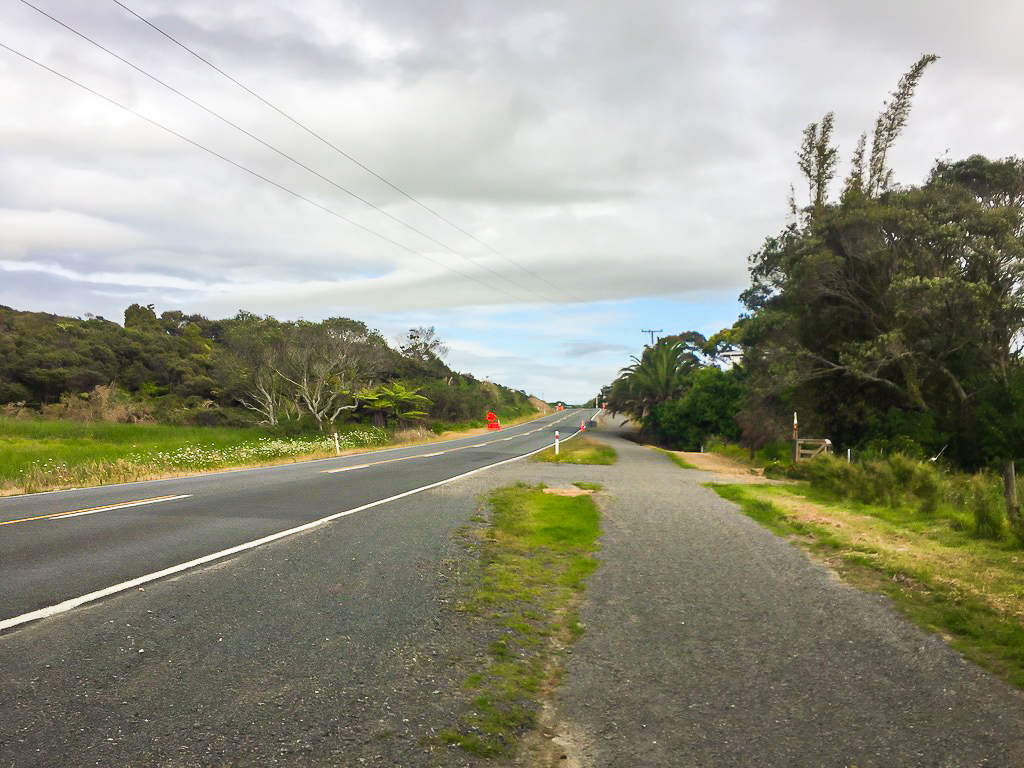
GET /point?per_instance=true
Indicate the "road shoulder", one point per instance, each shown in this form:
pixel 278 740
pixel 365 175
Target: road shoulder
pixel 713 642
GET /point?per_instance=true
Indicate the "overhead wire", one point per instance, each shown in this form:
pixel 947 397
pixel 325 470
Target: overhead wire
pixel 282 153
pixel 258 175
pixel 344 154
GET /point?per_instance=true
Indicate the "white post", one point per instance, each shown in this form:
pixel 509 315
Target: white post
pixel 556 442
pixel 337 445
pixel 847 455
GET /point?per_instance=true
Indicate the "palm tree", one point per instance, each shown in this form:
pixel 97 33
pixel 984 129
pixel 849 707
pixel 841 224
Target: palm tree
pixel 660 375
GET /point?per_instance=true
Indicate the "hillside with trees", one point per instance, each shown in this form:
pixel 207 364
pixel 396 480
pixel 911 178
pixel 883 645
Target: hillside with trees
pixel 187 369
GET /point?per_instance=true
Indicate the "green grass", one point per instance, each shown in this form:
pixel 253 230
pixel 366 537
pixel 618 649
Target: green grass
pixel 532 561
pixel 678 460
pixel 37 455
pixel 584 486
pixel 580 450
pixel 970 590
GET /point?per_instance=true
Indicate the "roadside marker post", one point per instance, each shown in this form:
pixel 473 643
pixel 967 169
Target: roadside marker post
pixel 556 442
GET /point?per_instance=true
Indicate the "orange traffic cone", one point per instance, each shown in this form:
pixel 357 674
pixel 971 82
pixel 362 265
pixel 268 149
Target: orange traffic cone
pixel 583 425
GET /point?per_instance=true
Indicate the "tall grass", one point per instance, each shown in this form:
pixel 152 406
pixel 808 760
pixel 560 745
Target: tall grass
pixel 43 455
pixel 973 502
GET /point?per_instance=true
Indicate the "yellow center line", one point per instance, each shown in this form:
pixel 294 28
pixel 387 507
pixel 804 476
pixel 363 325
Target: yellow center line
pixel 93 510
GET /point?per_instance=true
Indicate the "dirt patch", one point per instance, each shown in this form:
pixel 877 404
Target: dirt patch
pixel 568 492
pixel 729 470
pixel 540 405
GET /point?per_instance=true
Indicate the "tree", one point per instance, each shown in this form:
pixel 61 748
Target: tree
pixel 899 301
pixel 890 124
pixel 142 317
pixel 248 361
pixel 657 376
pixel 422 344
pixel 817 161
pixel 325 363
pixel 708 409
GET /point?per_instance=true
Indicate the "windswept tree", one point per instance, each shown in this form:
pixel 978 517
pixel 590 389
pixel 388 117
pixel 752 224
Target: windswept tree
pixel 248 360
pixel 890 124
pixel 817 160
pixel 422 345
pixel 325 363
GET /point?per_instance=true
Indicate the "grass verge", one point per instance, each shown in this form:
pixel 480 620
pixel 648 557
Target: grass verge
pixel 676 459
pixel 526 585
pixel 43 455
pixel 582 450
pixel 969 590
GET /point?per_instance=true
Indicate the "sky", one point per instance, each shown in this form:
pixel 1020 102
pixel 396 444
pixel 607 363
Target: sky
pixel 542 182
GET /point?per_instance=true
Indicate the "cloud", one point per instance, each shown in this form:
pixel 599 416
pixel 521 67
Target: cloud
pixel 26 233
pixel 588 348
pixel 613 163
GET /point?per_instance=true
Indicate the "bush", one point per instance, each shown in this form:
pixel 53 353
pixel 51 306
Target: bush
pixel 974 502
pixel 929 486
pixel 986 506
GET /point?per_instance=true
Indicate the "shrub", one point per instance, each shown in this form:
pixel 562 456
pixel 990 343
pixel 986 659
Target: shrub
pixel 930 487
pixel 986 506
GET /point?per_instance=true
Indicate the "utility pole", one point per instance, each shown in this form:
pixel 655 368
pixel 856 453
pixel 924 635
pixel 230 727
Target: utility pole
pixel 652 334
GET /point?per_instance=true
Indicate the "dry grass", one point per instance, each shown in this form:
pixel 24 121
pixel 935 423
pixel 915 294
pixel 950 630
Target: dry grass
pixel 969 590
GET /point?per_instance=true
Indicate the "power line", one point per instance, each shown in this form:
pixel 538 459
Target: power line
pixel 258 175
pixel 281 153
pixel 341 152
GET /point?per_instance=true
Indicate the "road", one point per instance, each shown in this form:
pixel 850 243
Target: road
pixel 708 642
pixel 63 546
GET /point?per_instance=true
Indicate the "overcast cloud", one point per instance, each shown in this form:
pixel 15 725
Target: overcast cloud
pixel 613 162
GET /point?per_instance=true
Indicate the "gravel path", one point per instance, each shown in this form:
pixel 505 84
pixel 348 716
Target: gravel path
pixel 711 642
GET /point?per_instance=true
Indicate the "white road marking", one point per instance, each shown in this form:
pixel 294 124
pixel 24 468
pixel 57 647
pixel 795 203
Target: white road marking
pixel 99 594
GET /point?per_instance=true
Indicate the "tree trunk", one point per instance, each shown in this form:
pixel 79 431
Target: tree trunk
pixel 1010 494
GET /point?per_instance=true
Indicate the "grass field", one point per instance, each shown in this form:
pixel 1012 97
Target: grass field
pixel 41 455
pixel 968 589
pixel 531 561
pixel 579 450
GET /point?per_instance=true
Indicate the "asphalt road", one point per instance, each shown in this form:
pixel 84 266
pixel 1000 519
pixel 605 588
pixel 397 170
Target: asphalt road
pixel 56 547
pixel 709 642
